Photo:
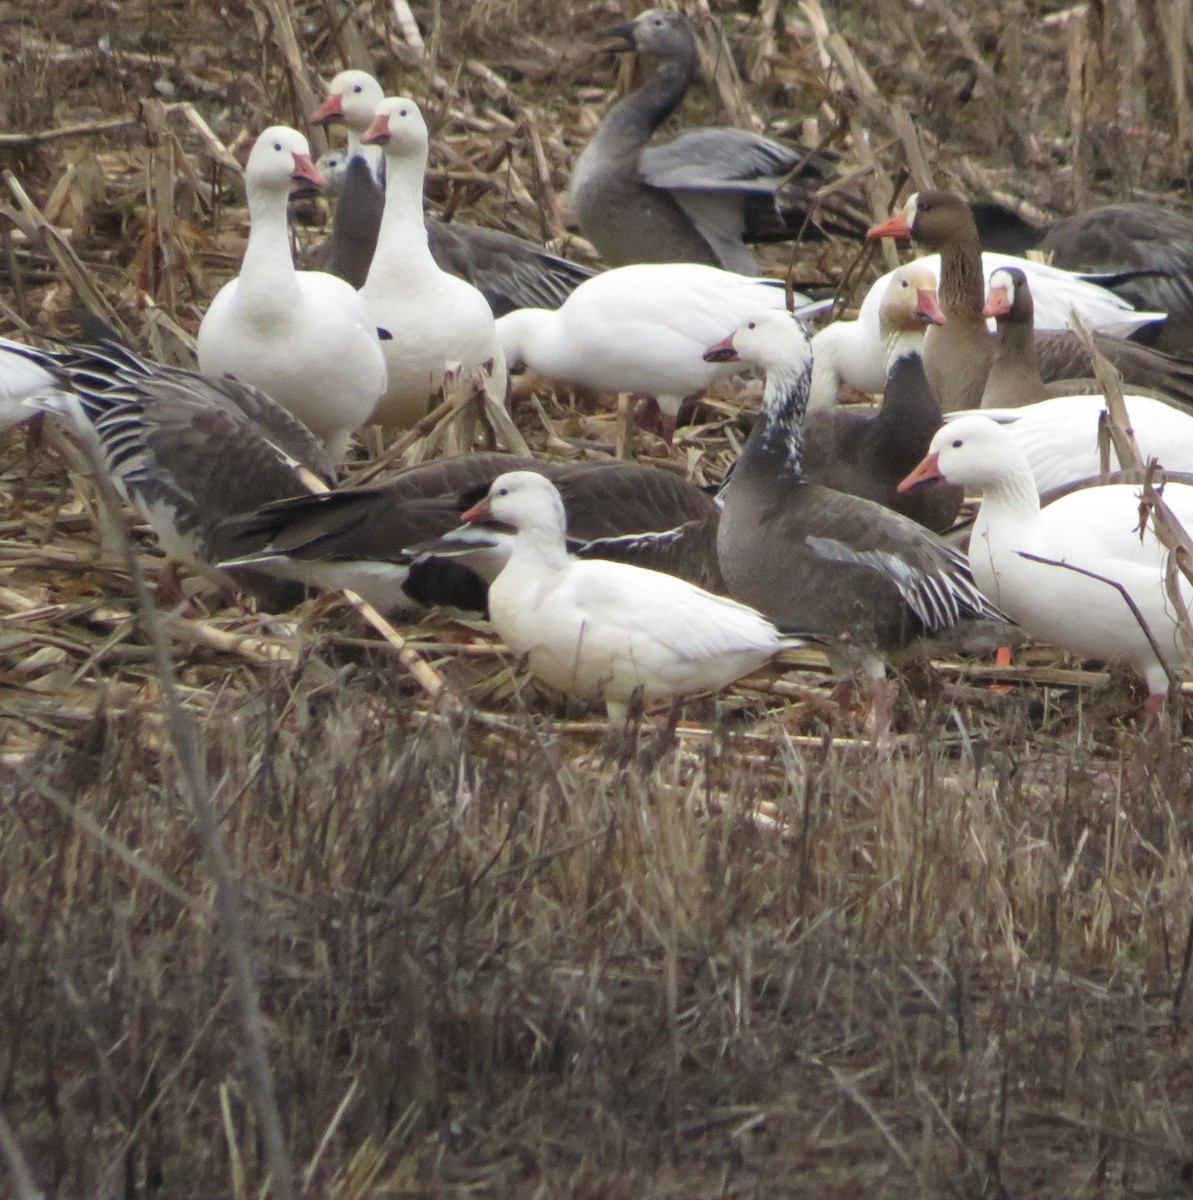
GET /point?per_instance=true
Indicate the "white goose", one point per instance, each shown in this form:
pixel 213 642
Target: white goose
pixel 641 329
pixel 852 352
pixel 1059 437
pixel 303 337
pixel 434 317
pixel 600 630
pixel 1095 530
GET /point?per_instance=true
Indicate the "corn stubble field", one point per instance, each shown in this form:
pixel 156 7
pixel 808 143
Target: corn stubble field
pixel 496 954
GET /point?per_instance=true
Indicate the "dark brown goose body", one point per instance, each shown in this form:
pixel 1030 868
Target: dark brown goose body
pixel 362 538
pixel 702 196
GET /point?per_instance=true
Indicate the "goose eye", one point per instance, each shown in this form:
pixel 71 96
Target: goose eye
pixel 957 444
pixel 358 89
pixel 752 325
pixel 277 145
pixel 401 112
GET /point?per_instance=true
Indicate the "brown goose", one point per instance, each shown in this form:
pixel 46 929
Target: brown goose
pixel 510 271
pixel 1025 357
pixel 1147 249
pixel 703 196
pixel 868 451
pixel 189 451
pixel 375 540
pixel 958 354
pixel 866 580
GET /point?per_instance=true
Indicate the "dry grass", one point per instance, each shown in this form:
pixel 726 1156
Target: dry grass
pixel 496 955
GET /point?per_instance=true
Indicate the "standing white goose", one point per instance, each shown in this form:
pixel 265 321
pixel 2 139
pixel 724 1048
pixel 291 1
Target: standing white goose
pixel 1086 534
pixel 601 630
pixel 641 329
pixel 434 317
pixel 303 337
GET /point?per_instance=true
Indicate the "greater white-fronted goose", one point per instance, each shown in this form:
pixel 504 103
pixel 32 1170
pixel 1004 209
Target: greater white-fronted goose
pixel 701 197
pixel 640 329
pixel 1094 556
pixel 1144 251
pixel 1023 358
pixel 957 354
pixel 509 271
pixel 303 337
pixel 433 317
pixel 852 352
pixel 864 579
pixel 604 631
pixel 189 451
pixel 868 451
pixel 376 540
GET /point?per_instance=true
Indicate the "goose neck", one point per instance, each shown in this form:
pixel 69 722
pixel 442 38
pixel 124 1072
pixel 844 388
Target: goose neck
pixel 402 239
pixel 631 121
pixel 778 435
pixel 962 288
pixel 541 545
pixel 1012 497
pixel 899 343
pixel 267 273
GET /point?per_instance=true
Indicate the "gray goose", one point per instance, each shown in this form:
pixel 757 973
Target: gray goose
pixel 510 271
pixel 388 542
pixel 189 451
pixel 958 354
pixel 701 197
pixel 868 451
pixel 864 579
pixel 1146 252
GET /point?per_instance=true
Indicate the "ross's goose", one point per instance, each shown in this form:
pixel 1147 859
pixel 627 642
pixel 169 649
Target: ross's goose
pixel 434 317
pixel 304 337
pixel 701 197
pixel 376 540
pixel 602 631
pixel 1092 532
pixel 509 271
pixel 863 578
pixel 187 450
pixel 867 451
pixel 641 329
pixel 957 354
pixel 1023 358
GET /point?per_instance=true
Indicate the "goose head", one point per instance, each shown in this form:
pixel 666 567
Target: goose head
pixel 1009 296
pixel 398 125
pixel 774 340
pixel 909 302
pixel 332 166
pixel 281 159
pixel 972 451
pixel 659 32
pixel 523 501
pixel 352 98
pixel 934 219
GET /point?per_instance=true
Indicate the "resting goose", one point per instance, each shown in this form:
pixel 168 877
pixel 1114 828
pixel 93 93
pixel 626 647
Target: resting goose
pixel 641 329
pixel 867 451
pixel 1095 530
pixel 509 271
pixel 1148 250
pixel 957 354
pixel 864 579
pixel 1022 359
pixel 303 337
pixel 377 540
pixel 702 196
pixel 187 450
pixel 603 631
pixel 434 317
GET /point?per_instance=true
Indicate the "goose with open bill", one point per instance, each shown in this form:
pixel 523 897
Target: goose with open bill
pixel 434 318
pixel 305 338
pixel 606 631
pixel 1079 573
pixel 864 579
pixel 509 271
pixel 389 542
pixel 702 196
pixel 641 329
pixel 958 354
